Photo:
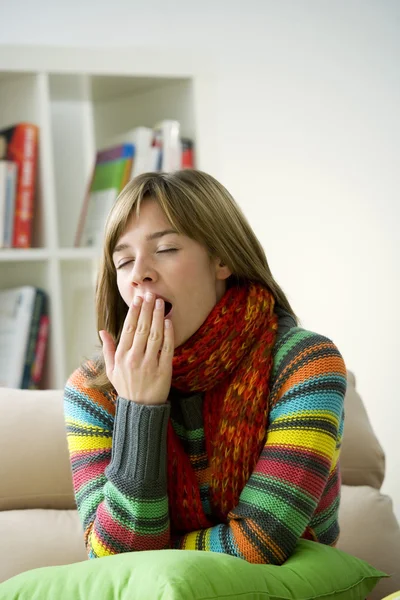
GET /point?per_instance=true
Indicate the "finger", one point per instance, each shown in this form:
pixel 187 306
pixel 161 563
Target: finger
pixel 143 326
pixel 167 350
pixel 156 335
pixel 108 351
pixel 130 324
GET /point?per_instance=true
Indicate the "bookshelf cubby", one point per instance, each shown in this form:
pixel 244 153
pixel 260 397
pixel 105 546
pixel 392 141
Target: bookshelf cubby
pixel 80 99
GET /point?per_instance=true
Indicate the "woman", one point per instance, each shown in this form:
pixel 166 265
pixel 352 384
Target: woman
pixel 212 421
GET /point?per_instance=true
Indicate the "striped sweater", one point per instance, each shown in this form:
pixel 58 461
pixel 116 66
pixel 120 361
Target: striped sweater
pixel 118 458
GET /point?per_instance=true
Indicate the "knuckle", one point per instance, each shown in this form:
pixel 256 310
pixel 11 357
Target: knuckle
pixel 143 329
pixel 167 348
pixel 134 357
pixel 154 335
pixel 130 328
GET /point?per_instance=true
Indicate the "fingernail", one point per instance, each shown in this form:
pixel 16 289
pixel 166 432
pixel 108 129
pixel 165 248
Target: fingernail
pixel 137 300
pixel 149 296
pixel 159 303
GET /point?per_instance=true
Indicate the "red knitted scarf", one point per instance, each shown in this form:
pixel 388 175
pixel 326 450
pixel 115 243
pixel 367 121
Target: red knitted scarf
pixel 229 358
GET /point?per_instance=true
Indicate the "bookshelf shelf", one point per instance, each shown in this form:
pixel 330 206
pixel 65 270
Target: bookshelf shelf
pixel 75 254
pixel 80 99
pixel 21 255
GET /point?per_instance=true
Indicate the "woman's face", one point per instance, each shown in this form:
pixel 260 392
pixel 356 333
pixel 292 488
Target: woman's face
pixel 151 257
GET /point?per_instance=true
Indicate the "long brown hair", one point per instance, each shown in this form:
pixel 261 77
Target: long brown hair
pixel 198 206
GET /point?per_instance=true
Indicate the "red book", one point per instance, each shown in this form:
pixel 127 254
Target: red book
pixel 21 147
pixel 187 154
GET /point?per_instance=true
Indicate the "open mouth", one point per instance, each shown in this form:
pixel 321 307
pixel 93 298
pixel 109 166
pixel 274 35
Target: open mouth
pixel 167 308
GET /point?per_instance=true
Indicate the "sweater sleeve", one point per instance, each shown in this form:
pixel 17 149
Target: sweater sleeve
pixel 118 459
pixel 295 484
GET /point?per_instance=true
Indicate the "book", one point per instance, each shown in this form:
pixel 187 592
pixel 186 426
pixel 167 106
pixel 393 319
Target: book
pixel 8 180
pixel 158 149
pixel 16 309
pixel 167 139
pixel 116 152
pixel 3 194
pixel 111 172
pixel 187 154
pixel 40 352
pixel 19 144
pixel 39 312
pixel 141 138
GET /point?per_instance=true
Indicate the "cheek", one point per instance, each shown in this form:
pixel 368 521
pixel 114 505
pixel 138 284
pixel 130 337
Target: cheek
pixel 124 290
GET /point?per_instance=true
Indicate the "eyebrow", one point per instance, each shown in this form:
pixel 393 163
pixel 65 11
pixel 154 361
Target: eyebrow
pixel 151 236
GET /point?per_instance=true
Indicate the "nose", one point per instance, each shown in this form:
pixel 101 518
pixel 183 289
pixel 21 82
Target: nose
pixel 142 271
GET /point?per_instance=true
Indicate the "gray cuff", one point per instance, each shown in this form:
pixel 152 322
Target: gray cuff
pixel 139 448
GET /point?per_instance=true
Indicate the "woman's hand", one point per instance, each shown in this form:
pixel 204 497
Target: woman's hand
pixel 140 368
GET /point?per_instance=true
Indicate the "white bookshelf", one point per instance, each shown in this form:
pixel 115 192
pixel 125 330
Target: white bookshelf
pixel 80 99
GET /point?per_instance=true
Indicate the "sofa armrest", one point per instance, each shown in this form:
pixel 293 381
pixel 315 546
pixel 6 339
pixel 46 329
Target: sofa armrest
pixel 362 460
pixel 369 530
pixel 34 467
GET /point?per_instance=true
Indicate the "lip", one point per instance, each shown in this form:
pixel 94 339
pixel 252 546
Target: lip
pixel 156 295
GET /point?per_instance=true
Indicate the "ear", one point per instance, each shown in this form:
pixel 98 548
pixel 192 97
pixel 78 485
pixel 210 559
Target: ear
pixel 222 271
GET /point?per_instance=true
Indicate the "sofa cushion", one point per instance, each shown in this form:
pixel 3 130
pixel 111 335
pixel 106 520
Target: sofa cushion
pixel 34 538
pixel 34 468
pixel 362 460
pixel 369 530
pixel 313 571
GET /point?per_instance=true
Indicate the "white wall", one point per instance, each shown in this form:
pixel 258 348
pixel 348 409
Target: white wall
pixel 309 135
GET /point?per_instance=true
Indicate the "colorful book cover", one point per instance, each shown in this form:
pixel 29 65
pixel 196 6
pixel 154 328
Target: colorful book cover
pixel 141 138
pixel 21 146
pixel 116 152
pixel 108 180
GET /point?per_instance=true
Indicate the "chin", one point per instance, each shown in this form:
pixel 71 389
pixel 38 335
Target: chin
pixel 179 340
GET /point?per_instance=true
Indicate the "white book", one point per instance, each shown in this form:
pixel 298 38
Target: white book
pixel 141 138
pixel 168 132
pixel 155 158
pixel 16 309
pixel 100 204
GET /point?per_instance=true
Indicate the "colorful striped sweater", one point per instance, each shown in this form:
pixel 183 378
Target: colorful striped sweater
pixel 118 458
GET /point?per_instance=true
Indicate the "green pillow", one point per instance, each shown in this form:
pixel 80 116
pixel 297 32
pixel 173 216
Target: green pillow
pixel 313 571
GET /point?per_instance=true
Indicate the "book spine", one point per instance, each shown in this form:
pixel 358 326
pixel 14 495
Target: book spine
pixel 38 310
pixel 127 173
pixel 3 200
pixel 187 154
pixel 11 182
pixel 169 132
pixel 40 351
pixel 84 210
pixel 23 319
pixel 23 149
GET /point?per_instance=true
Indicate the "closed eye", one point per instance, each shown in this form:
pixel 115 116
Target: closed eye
pixel 158 252
pixel 124 264
pixel 168 250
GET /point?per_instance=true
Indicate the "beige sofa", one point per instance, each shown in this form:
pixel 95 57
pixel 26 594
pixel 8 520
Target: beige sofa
pixel 39 525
